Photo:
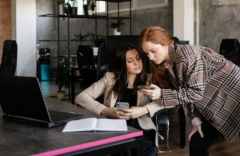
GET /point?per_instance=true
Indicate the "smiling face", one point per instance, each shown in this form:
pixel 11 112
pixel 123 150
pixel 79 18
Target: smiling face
pixel 134 62
pixel 157 53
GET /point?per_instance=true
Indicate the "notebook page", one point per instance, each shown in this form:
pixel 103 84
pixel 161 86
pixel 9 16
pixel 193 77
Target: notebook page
pixel 111 125
pixel 87 124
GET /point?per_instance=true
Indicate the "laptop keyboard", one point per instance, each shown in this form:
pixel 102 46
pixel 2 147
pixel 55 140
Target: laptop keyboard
pixel 60 116
pixel 56 118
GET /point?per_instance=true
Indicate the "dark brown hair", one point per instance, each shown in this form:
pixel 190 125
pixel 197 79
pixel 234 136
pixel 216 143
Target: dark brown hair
pixel 156 35
pixel 120 71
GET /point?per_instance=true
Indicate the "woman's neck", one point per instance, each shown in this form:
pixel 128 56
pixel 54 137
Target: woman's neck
pixel 167 58
pixel 130 81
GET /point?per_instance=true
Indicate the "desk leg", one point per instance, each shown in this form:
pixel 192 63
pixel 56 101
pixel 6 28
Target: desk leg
pixel 72 86
pixel 182 127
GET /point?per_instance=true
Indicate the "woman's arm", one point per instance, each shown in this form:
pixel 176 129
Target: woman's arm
pixel 192 79
pixel 148 109
pixel 87 97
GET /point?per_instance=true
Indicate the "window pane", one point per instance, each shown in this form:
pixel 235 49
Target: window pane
pixel 80 7
pixel 101 6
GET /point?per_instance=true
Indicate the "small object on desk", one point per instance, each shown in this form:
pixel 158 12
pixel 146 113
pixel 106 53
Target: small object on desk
pixel 94 124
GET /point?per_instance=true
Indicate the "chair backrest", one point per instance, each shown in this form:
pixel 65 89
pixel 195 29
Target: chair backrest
pixel 9 58
pixel 86 64
pixel 182 42
pixel 230 49
pixel 113 42
pixel 99 42
pixel 102 61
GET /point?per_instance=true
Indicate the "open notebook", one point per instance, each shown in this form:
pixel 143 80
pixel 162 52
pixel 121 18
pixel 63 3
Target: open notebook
pixel 94 124
pixel 21 99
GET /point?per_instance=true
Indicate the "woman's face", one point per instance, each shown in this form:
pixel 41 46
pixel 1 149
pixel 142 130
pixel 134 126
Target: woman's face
pixel 156 52
pixel 134 62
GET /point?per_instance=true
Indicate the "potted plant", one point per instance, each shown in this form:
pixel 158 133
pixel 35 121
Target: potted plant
pixel 94 38
pixel 116 25
pixel 70 7
pixel 81 37
pixel 61 75
pixel 89 4
pixel 61 5
pixel 92 6
pixel 88 7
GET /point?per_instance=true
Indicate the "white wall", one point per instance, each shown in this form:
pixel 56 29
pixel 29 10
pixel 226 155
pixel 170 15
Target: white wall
pixel 24 32
pixel 183 19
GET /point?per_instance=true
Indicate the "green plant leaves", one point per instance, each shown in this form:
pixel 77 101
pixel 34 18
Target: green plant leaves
pixel 116 24
pixel 61 73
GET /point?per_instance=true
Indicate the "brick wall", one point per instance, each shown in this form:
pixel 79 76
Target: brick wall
pixel 5 23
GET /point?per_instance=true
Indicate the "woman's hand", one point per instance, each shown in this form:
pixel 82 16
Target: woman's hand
pixel 113 113
pixel 195 129
pixel 154 92
pixel 135 112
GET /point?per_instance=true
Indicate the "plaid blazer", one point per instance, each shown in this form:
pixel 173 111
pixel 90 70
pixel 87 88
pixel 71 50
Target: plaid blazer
pixel 211 83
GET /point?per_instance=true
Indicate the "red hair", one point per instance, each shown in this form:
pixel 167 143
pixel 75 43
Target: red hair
pixel 157 35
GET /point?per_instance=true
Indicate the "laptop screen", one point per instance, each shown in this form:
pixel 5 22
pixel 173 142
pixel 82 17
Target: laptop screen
pixel 22 96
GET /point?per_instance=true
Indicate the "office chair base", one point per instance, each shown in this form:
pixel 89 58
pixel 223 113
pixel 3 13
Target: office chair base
pixel 160 138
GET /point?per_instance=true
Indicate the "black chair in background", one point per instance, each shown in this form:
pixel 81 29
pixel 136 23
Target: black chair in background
pixel 90 67
pixel 9 58
pixel 102 61
pixel 183 42
pixel 230 49
pixel 86 65
pixel 177 41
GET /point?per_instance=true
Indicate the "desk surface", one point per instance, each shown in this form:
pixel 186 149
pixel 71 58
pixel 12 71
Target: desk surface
pixel 22 139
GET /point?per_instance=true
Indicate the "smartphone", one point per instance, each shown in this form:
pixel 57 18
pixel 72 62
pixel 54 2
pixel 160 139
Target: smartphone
pixel 142 87
pixel 121 105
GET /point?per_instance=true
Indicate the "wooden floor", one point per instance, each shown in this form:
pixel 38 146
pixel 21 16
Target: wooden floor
pixel 221 148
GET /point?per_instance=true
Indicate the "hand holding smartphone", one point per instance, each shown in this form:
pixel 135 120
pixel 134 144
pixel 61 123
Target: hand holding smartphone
pixel 121 105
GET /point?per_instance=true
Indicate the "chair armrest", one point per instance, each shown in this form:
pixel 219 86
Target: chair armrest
pixel 161 117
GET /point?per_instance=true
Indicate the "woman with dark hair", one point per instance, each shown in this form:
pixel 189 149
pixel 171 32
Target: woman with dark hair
pixel 121 86
pixel 198 78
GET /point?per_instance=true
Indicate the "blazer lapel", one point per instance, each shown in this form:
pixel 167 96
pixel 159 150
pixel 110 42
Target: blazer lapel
pixel 139 98
pixel 113 100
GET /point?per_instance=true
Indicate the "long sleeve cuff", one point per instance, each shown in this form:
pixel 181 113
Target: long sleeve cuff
pixel 196 121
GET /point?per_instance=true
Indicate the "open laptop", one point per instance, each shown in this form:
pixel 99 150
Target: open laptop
pixel 21 99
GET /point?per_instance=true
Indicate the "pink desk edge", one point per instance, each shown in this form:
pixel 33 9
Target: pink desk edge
pixel 90 144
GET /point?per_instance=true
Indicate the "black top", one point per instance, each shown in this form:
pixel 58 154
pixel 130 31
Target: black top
pixel 130 97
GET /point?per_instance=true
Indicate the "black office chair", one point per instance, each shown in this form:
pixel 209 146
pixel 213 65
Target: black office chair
pixel 9 58
pixel 86 65
pixel 161 121
pixel 230 49
pixel 182 42
pixel 102 61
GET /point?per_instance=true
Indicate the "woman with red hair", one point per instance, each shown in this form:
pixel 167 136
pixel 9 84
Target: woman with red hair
pixel 198 79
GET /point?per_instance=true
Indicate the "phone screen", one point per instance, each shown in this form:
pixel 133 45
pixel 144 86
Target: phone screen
pixel 121 105
pixel 142 87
